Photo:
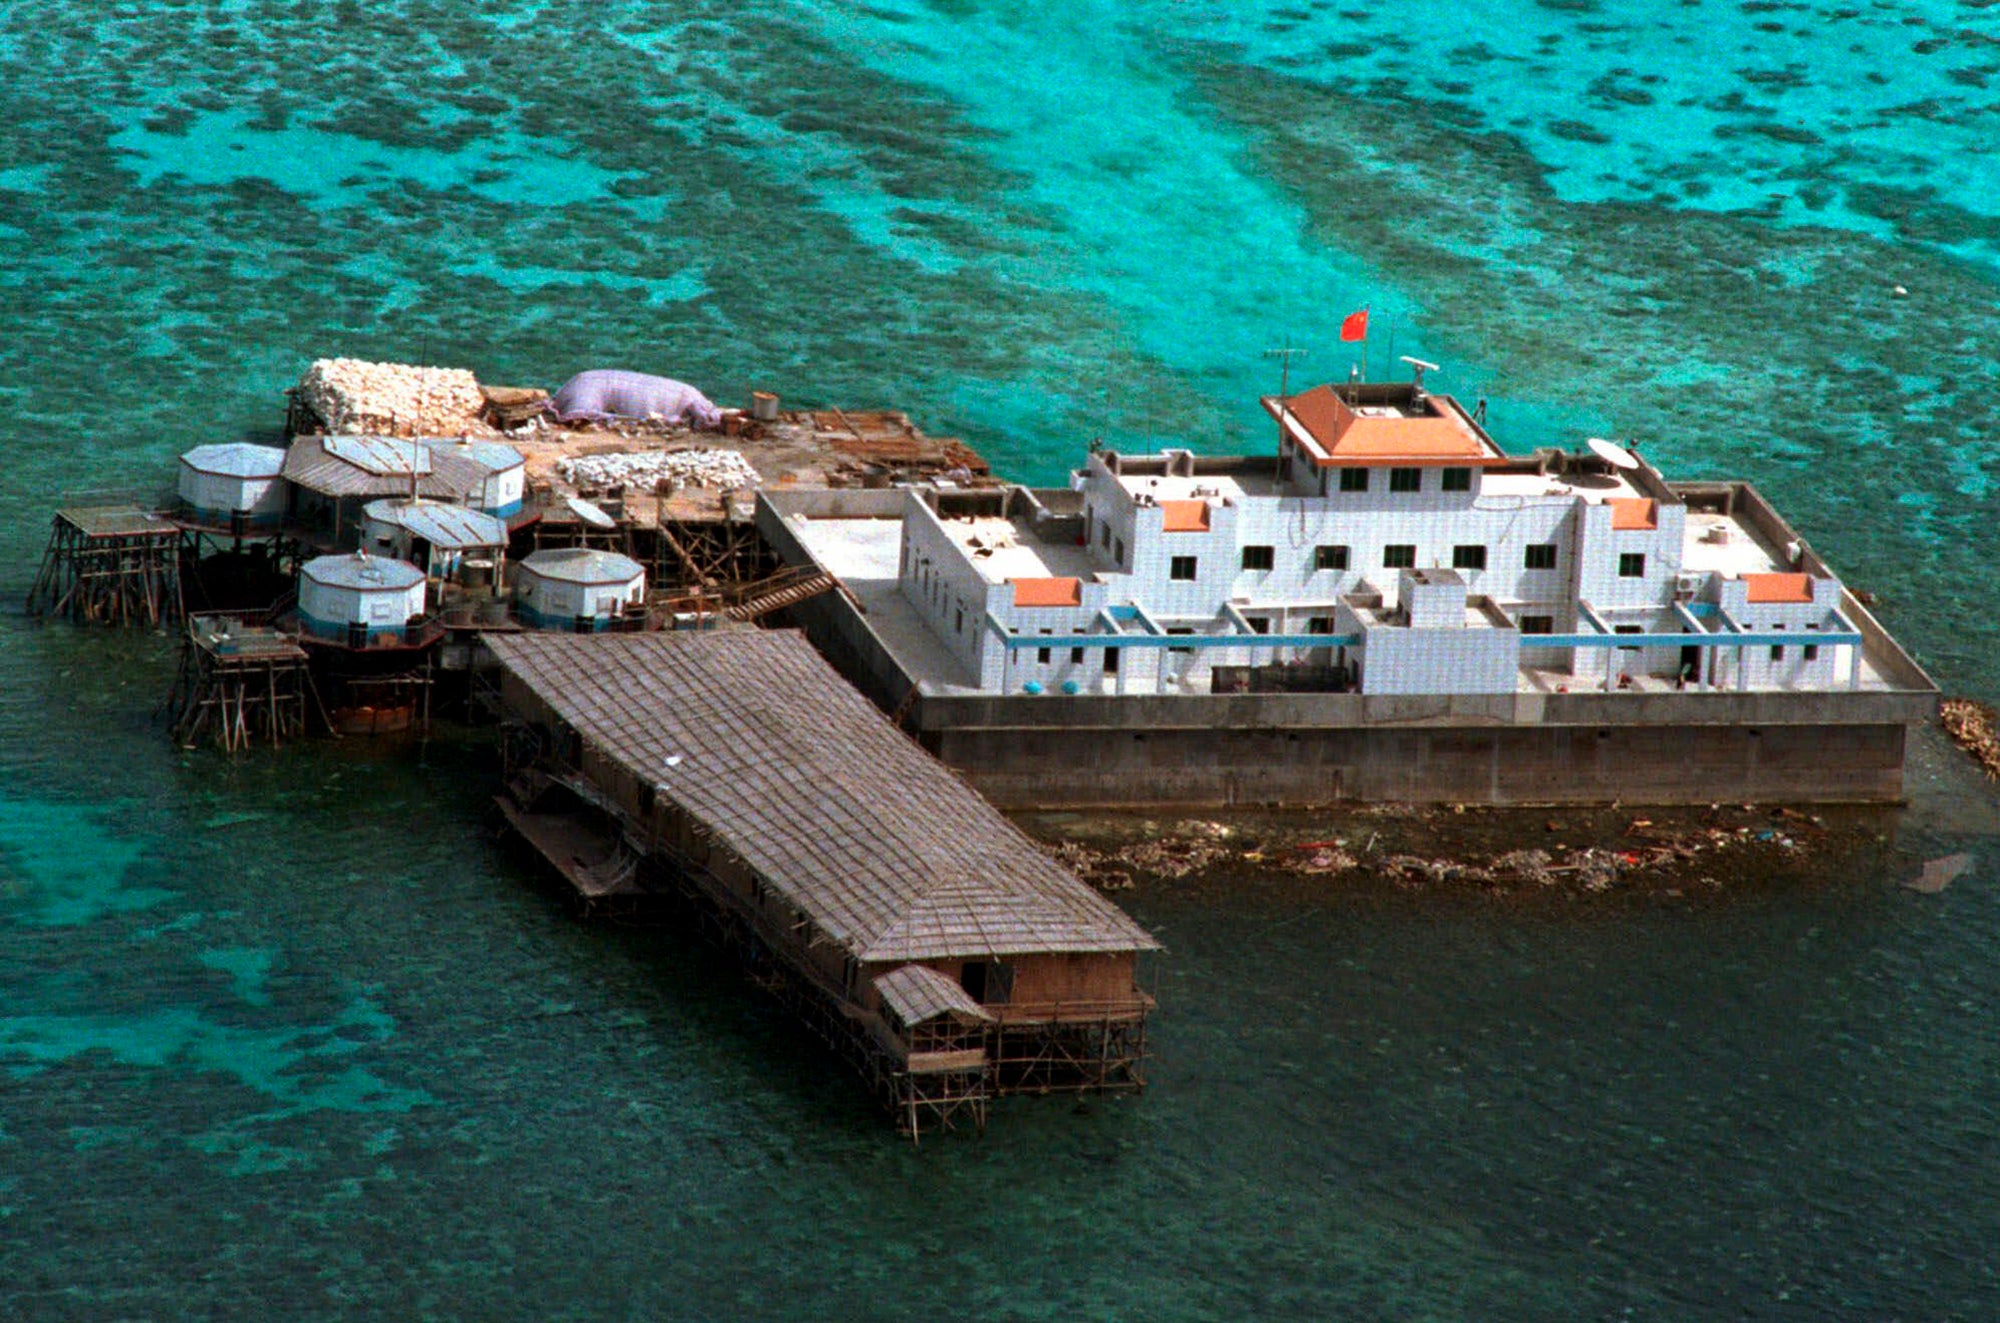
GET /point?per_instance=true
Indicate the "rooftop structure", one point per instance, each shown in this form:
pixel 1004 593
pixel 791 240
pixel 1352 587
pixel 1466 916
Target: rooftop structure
pixel 579 588
pixel 445 527
pixel 1360 426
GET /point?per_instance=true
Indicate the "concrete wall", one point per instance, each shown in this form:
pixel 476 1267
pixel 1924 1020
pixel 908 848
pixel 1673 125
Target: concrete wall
pixel 1018 768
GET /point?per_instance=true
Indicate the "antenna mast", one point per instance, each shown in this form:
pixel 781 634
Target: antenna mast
pixel 1284 357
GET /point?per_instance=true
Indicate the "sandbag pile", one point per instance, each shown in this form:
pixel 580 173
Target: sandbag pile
pixel 722 469
pixel 353 397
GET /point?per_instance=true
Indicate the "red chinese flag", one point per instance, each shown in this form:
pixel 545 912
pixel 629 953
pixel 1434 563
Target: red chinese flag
pixel 1354 326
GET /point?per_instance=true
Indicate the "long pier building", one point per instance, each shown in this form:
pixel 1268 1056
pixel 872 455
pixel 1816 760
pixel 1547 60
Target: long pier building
pixel 921 932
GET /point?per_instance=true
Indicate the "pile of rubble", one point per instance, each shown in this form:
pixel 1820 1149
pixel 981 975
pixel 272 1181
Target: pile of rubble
pixel 357 398
pixel 1648 851
pixel 1975 728
pixel 723 470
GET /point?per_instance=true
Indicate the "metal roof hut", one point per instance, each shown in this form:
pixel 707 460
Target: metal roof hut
pixel 361 601
pixel 491 476
pixel 580 589
pixel 234 486
pixel 334 477
pixel 920 925
pixel 442 538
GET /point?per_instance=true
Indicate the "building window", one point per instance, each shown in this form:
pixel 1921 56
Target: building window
pixel 1630 629
pixel 1327 557
pixel 1457 480
pixel 1181 567
pixel 960 626
pixel 1468 558
pixel 1399 556
pixel 1538 624
pixel 1811 652
pixel 1121 551
pixel 1406 480
pixel 1541 556
pixel 1777 652
pixel 1179 629
pixel 1076 656
pixel 1632 565
pixel 1111 661
pixel 1104 536
pixel 1320 625
pixel 1042 656
pixel 1259 624
pixel 1354 480
pixel 1258 558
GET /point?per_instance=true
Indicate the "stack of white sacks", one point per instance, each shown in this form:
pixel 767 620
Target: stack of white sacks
pixel 720 469
pixel 357 398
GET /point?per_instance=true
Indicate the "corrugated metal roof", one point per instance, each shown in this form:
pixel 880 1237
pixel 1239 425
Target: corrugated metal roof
pixel 918 993
pixel 878 843
pixel 583 565
pixel 368 574
pixel 488 456
pixel 236 459
pixel 445 526
pixel 382 456
pixel 311 465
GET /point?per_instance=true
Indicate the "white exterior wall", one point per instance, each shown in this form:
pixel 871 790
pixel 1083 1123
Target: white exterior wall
pixel 938 577
pixel 504 488
pixel 257 497
pixel 1464 660
pixel 949 592
pixel 1599 547
pixel 1762 671
pixel 565 598
pixel 380 608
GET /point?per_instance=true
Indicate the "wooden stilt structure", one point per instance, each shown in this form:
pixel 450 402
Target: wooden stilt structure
pixel 911 927
pixel 240 683
pixel 110 565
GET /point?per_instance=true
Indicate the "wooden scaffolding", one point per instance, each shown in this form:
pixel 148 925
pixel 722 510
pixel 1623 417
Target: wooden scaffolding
pixel 110 565
pixel 239 683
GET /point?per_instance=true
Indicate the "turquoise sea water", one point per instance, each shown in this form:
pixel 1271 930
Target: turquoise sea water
pixel 299 1038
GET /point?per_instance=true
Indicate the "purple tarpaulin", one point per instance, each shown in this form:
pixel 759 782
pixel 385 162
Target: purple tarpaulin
pixel 605 393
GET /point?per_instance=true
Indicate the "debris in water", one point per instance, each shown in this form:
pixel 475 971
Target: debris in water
pixel 1940 873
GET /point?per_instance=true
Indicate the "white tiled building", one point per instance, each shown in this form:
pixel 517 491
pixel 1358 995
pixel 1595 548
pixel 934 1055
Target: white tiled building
pixel 1390 546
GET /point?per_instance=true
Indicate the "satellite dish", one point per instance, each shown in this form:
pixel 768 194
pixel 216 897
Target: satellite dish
pixel 589 513
pixel 1617 456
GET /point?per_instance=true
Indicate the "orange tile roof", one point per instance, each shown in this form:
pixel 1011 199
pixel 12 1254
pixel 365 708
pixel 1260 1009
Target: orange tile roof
pixel 1344 436
pixel 1185 516
pixel 1779 587
pixel 1047 592
pixel 1633 512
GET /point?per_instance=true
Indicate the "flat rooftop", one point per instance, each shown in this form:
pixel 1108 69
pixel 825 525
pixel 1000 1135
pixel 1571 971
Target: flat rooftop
pixel 1593 487
pixel 1005 549
pixel 1203 486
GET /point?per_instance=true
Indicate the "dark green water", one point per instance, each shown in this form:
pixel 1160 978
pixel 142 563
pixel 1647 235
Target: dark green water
pixel 299 1038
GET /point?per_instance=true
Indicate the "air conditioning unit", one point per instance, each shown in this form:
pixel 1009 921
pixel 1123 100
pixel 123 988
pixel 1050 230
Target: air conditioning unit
pixel 1686 584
